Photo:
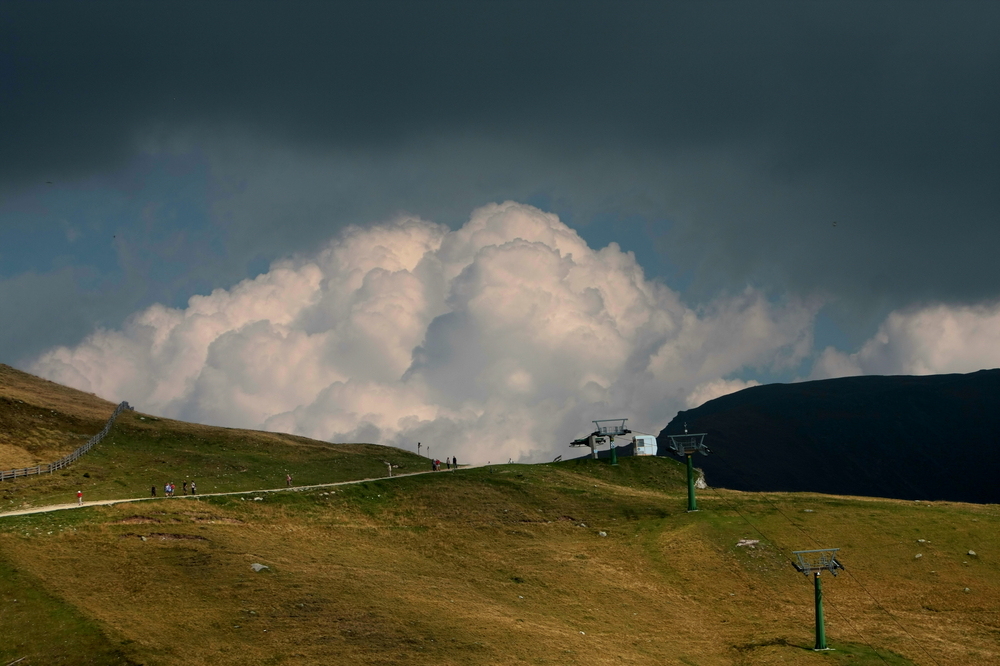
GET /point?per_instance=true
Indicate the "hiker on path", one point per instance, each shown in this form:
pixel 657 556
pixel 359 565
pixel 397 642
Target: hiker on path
pixel 79 497
pixel 389 465
pixel 447 462
pixel 152 490
pixel 288 480
pixel 184 486
pixel 454 462
pixel 194 489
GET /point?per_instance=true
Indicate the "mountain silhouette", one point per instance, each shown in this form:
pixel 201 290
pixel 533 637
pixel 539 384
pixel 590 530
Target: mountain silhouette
pixel 931 437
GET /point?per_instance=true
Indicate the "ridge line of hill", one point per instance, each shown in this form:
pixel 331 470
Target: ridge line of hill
pixel 927 437
pixel 41 421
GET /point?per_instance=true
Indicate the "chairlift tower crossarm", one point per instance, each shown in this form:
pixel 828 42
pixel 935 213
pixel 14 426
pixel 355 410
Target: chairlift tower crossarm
pixel 604 430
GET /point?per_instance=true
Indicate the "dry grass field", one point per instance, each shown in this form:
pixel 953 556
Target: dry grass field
pixel 41 421
pixel 501 565
pixel 506 567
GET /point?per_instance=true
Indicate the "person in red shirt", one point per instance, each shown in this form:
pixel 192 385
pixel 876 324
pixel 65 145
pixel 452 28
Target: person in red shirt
pixel 79 497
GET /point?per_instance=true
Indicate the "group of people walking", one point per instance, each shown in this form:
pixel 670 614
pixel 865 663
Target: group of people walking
pixel 169 489
pixel 449 463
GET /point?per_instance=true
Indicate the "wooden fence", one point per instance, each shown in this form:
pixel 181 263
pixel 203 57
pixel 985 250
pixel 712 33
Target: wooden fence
pixel 63 462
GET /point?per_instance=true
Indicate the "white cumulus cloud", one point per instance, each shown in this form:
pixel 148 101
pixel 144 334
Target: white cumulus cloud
pixel 931 340
pixel 503 338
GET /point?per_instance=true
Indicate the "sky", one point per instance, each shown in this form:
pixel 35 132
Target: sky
pixel 483 225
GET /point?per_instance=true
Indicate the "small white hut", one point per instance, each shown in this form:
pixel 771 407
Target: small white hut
pixel 645 445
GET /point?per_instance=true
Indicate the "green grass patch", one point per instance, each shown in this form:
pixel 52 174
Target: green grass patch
pixel 42 629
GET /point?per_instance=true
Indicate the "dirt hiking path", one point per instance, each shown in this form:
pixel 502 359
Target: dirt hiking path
pixel 74 505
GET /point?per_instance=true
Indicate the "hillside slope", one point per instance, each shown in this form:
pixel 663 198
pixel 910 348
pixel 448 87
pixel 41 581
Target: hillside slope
pixel 933 437
pixel 42 421
pixel 569 563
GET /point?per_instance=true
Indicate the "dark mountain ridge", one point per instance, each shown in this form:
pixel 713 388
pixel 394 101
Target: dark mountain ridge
pixel 930 437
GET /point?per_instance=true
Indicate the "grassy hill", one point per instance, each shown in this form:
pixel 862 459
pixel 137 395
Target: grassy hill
pixel 507 567
pixel 570 563
pixel 41 421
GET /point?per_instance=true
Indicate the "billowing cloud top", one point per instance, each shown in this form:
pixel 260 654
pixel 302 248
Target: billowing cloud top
pixel 502 338
pixel 934 339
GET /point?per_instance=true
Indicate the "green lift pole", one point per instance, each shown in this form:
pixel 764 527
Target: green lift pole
pixel 614 454
pixel 686 445
pixel 820 628
pixel 692 504
pixel 812 563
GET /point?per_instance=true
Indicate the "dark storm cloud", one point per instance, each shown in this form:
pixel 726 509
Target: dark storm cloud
pixel 737 132
pixel 820 81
